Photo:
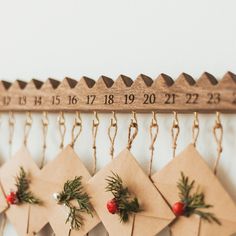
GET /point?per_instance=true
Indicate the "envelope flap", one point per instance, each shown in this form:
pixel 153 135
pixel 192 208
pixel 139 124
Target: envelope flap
pixel 58 216
pixel 144 225
pixel 10 169
pixel 72 166
pixel 45 193
pixel 186 226
pixel 139 185
pixel 151 201
pixel 191 163
pixel 66 166
pixel 18 214
pixel 169 191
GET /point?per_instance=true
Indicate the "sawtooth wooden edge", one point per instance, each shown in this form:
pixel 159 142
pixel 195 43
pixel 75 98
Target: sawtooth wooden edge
pixel 122 95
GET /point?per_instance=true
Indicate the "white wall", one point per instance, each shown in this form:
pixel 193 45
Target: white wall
pixel 57 38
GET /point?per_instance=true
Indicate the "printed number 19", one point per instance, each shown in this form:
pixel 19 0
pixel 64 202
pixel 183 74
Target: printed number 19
pixel 129 98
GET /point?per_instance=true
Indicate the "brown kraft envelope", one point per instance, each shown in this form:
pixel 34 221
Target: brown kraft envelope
pixel 18 215
pixel 155 214
pixel 66 166
pixel 192 165
pixel 3 202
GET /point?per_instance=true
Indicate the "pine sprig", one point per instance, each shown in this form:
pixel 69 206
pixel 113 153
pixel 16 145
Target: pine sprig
pixel 23 194
pixel 73 190
pixel 194 202
pixel 126 204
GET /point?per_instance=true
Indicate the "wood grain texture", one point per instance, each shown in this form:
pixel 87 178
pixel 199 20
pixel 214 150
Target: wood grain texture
pixel 122 95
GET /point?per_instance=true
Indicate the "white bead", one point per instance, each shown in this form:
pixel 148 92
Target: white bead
pixel 55 196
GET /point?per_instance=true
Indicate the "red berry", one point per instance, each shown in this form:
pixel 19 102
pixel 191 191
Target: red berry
pixel 12 198
pixel 178 208
pixel 112 206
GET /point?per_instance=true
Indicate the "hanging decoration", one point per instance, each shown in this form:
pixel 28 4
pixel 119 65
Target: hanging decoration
pixel 192 203
pixel 22 194
pixel 73 191
pixel 150 217
pixel 20 169
pixel 122 203
pixel 213 217
pixel 185 196
pixel 67 187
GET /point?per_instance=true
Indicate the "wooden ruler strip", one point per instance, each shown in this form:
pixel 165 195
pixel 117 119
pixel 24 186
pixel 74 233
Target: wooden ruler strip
pixel 185 95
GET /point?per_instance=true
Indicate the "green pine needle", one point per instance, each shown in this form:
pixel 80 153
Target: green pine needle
pixel 126 204
pixel 23 194
pixel 194 202
pixel 73 190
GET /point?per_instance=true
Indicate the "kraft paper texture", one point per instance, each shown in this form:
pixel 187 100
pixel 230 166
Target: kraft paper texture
pixel 192 165
pixel 19 215
pixel 155 214
pixel 66 166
